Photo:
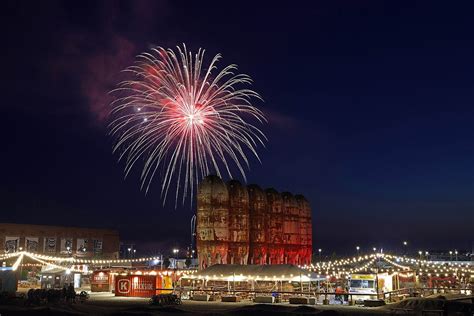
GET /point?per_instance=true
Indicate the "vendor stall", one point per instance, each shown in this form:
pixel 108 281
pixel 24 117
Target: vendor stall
pixel 222 279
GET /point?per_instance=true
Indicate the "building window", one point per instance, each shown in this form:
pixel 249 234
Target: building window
pixel 11 244
pixel 97 246
pixel 32 244
pixel 50 245
pixel 66 245
pixel 81 246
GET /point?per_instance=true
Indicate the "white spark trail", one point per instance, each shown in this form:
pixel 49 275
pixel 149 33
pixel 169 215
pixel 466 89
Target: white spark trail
pixel 182 121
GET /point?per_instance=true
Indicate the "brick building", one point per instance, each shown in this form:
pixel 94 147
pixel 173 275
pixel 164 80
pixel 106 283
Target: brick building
pixel 59 240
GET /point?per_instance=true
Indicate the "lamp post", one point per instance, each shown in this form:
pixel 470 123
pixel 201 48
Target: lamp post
pixel 405 246
pixel 450 256
pixel 319 250
pixel 21 263
pixel 357 248
pixel 68 276
pixel 176 252
pixel 129 254
pixel 456 253
pixel 301 283
pixel 377 281
pixel 420 253
pixel 233 282
pixel 374 249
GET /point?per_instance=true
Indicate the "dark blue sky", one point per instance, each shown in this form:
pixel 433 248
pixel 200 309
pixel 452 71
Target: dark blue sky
pixel 370 109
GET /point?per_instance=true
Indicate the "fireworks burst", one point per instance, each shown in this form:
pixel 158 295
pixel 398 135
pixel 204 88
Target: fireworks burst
pixel 182 121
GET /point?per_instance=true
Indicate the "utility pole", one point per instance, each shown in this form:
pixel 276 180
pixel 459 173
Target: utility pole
pixel 193 232
pixel 377 281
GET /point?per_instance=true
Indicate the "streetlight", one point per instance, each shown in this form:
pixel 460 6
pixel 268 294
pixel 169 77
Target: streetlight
pixel 175 252
pixel 129 249
pixel 374 249
pixel 134 252
pixel 319 250
pixel 377 281
pixel 420 252
pixel 450 256
pixel 357 248
pixel 456 253
pixel 21 263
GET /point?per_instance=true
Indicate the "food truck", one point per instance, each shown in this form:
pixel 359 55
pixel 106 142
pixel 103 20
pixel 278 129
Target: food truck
pixel 369 284
pixel 363 284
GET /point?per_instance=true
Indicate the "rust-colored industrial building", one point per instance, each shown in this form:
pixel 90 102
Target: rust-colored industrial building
pixel 239 224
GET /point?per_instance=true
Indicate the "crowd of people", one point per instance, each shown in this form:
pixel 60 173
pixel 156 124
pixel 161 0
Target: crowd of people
pixel 47 296
pixel 340 293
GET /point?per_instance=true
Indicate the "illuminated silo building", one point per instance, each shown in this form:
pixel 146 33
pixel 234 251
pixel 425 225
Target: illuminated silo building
pixel 306 229
pixel 291 232
pixel 212 223
pixel 276 252
pixel 239 224
pixel 258 225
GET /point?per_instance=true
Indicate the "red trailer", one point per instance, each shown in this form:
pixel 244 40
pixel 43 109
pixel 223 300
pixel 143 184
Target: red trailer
pixel 135 285
pixel 101 281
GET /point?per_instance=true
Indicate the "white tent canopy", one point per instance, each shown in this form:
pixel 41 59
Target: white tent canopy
pixel 235 272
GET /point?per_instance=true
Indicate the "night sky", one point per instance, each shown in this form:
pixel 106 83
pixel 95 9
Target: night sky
pixel 370 108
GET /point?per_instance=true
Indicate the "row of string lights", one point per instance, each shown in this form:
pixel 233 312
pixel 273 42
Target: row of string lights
pixel 71 265
pixel 399 265
pixel 77 260
pixel 346 266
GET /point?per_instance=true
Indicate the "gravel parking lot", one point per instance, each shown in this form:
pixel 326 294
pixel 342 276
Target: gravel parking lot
pixel 108 304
